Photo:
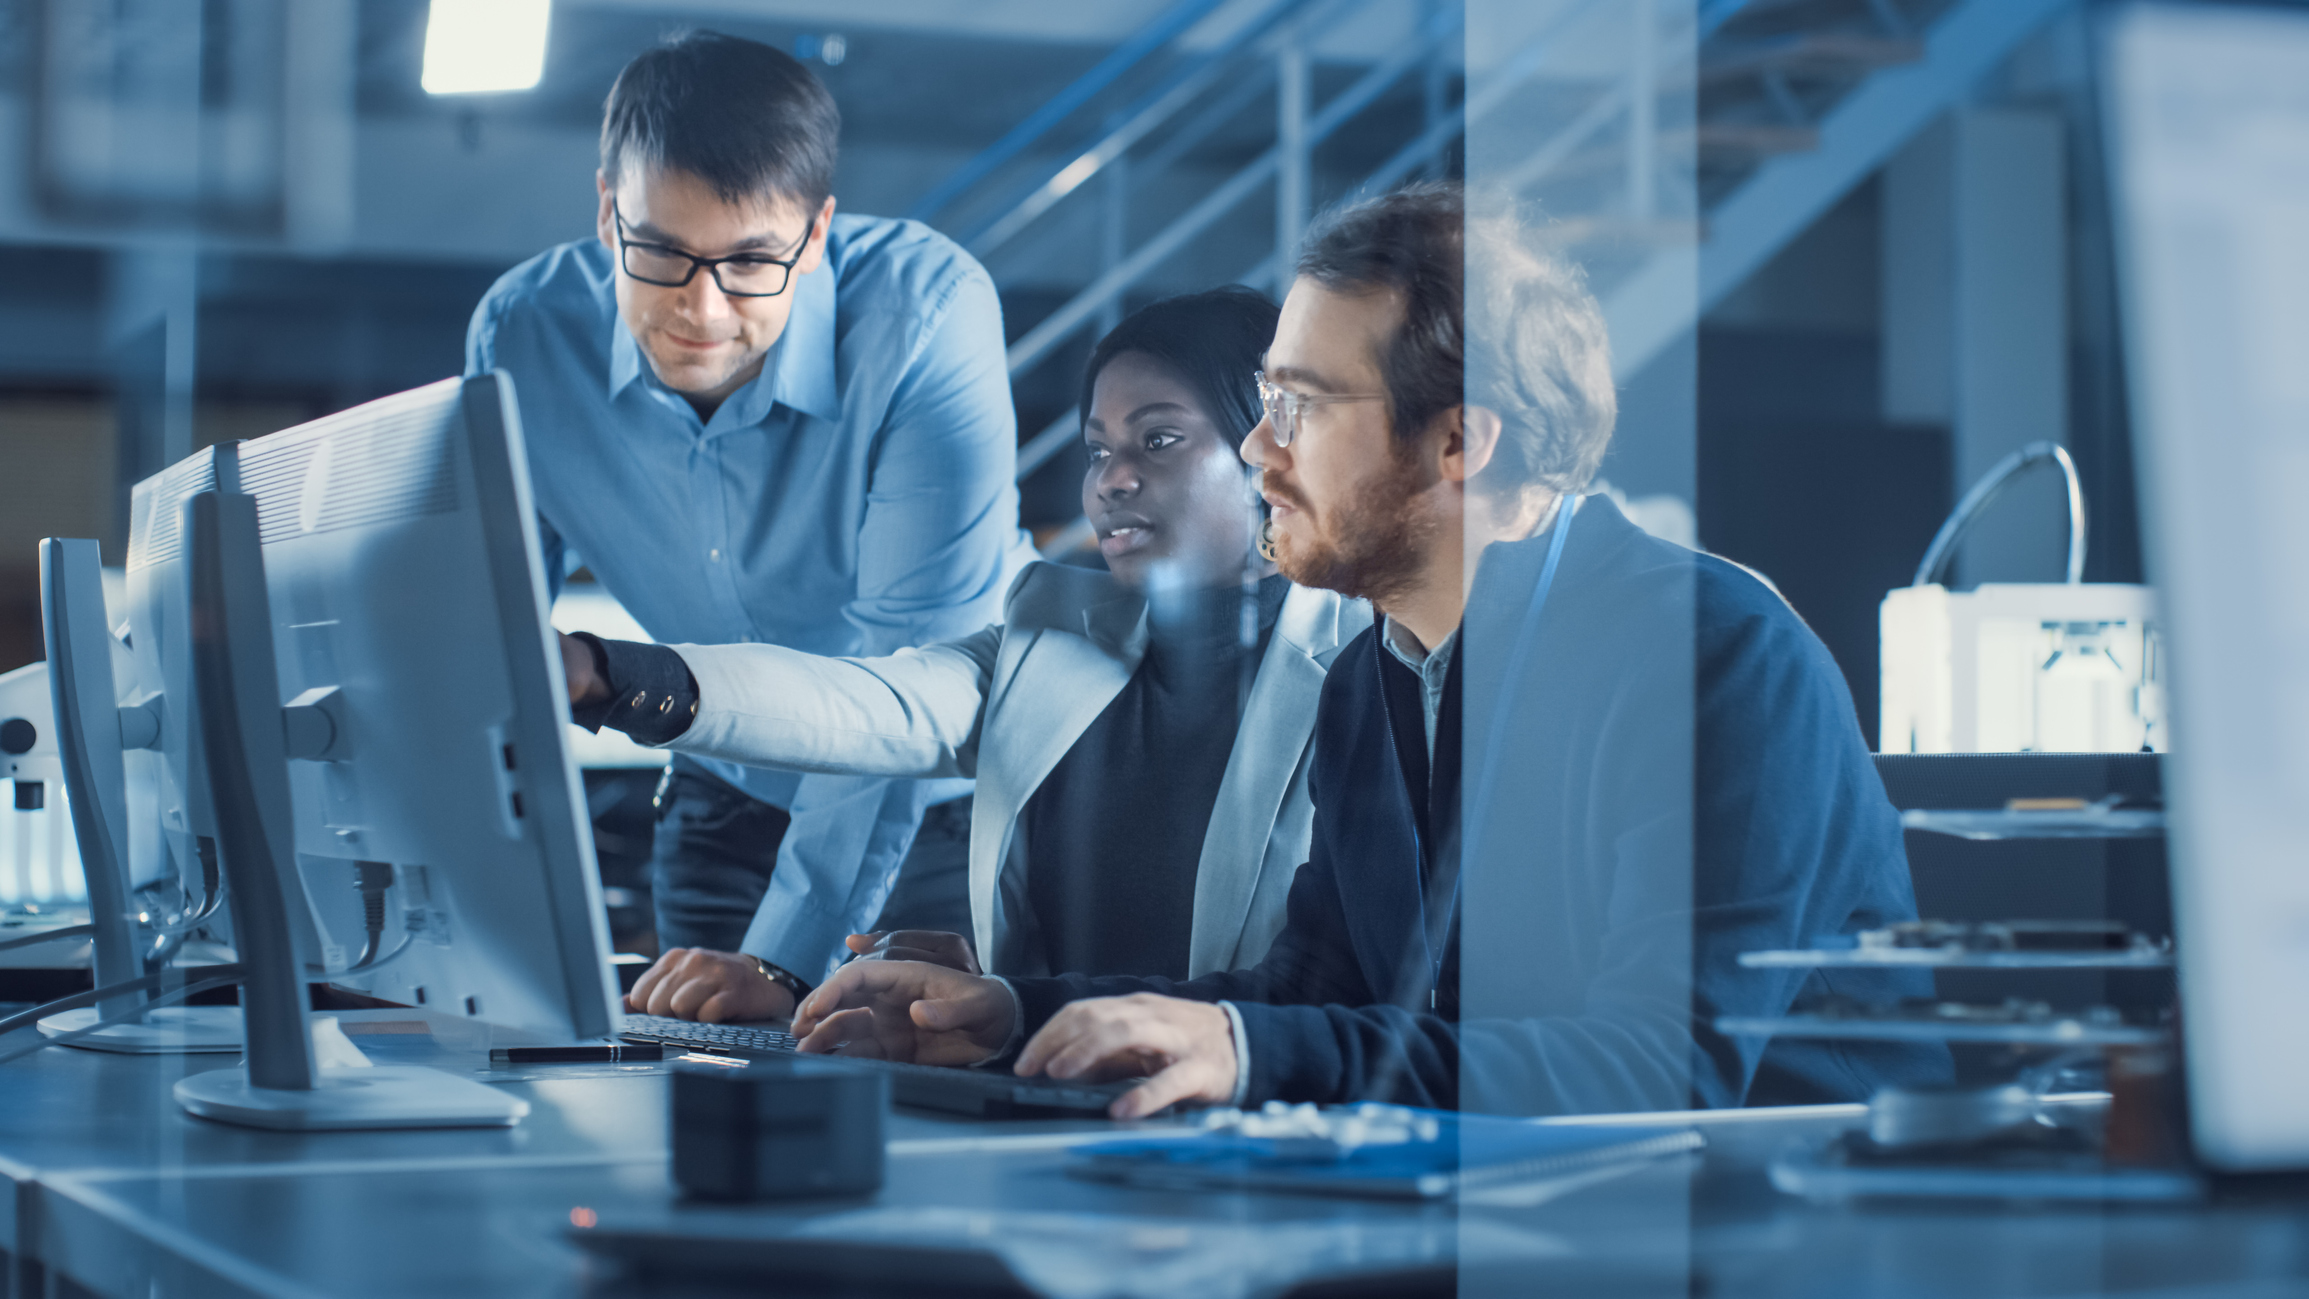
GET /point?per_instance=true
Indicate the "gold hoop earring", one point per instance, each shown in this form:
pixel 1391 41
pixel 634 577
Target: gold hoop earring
pixel 1266 542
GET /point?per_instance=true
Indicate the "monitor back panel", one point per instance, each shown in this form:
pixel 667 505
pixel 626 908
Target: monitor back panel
pixel 159 621
pixel 402 562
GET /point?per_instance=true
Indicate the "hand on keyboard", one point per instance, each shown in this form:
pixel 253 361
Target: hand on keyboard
pixel 713 987
pixel 1184 1049
pixel 907 1010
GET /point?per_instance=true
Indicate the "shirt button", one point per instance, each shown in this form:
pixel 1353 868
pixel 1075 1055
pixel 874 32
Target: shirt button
pixel 714 555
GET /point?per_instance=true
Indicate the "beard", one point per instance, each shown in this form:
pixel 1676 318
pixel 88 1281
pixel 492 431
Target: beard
pixel 1368 547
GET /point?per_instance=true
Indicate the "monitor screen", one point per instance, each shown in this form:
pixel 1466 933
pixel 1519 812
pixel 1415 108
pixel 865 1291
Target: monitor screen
pixel 2208 122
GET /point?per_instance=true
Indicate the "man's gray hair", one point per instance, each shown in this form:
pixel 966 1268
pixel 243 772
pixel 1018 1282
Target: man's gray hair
pixel 1539 355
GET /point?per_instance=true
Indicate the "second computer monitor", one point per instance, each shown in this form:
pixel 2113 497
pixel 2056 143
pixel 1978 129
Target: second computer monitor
pixel 427 711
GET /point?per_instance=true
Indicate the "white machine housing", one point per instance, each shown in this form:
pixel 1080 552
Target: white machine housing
pixel 39 858
pixel 39 862
pixel 2022 668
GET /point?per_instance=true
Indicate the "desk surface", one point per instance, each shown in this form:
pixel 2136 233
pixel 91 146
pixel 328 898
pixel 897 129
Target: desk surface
pixel 117 1189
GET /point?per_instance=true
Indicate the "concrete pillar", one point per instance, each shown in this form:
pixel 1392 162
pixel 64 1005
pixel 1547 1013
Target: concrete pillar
pixel 1292 188
pixel 152 312
pixel 319 139
pixel 1975 300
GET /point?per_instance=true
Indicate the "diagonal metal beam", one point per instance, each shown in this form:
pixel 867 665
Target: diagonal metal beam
pixel 1170 24
pixel 1062 323
pixel 1660 303
pixel 1185 90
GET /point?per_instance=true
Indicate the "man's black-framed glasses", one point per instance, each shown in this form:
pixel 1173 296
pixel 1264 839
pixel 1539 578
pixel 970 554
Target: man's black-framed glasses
pixel 740 275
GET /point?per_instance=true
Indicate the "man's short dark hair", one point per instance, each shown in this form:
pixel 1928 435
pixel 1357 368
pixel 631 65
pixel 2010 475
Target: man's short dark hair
pixel 745 118
pixel 1529 344
pixel 1211 341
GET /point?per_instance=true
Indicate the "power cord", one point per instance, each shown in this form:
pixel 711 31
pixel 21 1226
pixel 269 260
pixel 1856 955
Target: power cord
pixel 82 1000
pixel 49 936
pixel 373 878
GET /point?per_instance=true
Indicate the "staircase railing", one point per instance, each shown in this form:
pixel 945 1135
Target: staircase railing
pixel 1268 52
pixel 1168 26
pixel 1660 302
pixel 1184 89
pixel 1284 165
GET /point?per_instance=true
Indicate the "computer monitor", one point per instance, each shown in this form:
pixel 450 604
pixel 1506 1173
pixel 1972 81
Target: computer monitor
pixel 2207 114
pixel 382 714
pixel 100 744
pixel 160 681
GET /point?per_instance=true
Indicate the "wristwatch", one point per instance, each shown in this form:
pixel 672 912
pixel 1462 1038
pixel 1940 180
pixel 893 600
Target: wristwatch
pixel 786 979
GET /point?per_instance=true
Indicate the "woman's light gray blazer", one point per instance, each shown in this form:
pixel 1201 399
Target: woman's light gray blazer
pixel 1006 704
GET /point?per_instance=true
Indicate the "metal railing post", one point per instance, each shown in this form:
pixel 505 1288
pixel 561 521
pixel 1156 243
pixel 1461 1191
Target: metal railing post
pixel 1643 113
pixel 1434 93
pixel 1291 171
pixel 1114 233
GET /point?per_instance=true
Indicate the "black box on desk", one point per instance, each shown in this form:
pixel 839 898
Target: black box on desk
pixel 775 1129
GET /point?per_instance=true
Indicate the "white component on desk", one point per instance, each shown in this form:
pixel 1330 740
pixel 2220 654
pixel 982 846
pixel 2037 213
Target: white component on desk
pixel 2098 820
pixel 2139 958
pixel 2022 668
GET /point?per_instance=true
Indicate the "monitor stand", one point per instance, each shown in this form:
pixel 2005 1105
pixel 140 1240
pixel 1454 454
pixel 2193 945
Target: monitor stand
pixel 167 1030
pixel 381 1096
pixel 92 730
pixel 280 1084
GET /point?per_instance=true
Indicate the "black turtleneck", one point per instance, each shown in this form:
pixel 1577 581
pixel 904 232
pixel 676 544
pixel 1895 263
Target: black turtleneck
pixel 1115 834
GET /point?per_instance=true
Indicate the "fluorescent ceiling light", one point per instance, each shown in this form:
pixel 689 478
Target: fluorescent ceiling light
pixel 476 46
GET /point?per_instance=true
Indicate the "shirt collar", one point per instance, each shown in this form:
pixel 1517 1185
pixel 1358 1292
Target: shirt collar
pixel 625 361
pixel 1428 665
pixel 798 373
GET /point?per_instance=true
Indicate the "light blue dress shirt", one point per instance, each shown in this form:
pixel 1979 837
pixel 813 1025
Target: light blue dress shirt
pixel 854 499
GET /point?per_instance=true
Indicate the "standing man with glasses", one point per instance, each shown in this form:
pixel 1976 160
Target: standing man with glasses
pixel 754 420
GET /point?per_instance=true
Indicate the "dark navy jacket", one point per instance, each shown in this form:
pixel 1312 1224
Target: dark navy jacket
pixel 1677 776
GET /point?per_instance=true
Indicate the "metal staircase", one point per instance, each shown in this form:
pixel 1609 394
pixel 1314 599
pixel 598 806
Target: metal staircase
pixel 1673 164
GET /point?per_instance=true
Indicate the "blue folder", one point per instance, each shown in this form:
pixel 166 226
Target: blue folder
pixel 1468 1152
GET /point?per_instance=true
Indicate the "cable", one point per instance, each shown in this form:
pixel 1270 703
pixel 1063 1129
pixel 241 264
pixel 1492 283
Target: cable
pixel 316 974
pixel 81 1000
pixel 185 922
pixel 372 878
pixel 165 999
pixel 376 965
pixel 212 897
pixel 69 931
pixel 1990 486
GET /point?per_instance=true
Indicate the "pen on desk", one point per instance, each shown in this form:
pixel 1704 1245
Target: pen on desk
pixel 625 1053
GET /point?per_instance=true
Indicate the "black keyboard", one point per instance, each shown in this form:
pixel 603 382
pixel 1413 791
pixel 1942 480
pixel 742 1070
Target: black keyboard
pixel 710 1037
pixel 981 1093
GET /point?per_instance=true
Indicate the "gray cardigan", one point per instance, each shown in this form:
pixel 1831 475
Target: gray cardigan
pixel 1006 704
